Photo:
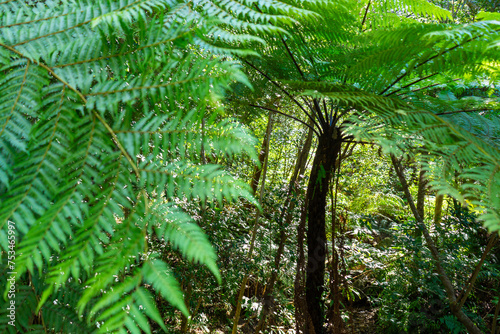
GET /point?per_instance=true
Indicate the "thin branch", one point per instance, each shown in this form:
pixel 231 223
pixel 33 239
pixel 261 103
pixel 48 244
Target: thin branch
pixel 364 17
pixel 470 283
pixel 286 115
pixel 283 90
pixel 430 86
pixel 412 83
pixel 293 58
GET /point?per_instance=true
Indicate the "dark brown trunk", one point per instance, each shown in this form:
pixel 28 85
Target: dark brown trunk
pixel 301 315
pixel 321 174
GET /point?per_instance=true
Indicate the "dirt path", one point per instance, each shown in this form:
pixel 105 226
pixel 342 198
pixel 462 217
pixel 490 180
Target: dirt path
pixel 364 321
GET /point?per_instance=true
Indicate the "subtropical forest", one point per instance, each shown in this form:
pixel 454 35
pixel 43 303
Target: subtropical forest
pixel 250 166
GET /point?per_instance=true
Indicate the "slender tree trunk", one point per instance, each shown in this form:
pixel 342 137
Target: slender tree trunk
pixel 422 183
pixel 448 286
pixel 254 183
pixel 327 152
pixel 256 224
pixel 288 208
pixel 187 298
pixel 438 209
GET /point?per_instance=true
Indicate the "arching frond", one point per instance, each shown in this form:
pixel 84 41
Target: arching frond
pixel 101 116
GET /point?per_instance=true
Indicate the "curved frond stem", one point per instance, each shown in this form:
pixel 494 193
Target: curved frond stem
pixel 125 53
pixel 53 33
pixel 310 106
pixel 293 58
pixel 319 114
pixel 306 102
pixel 325 111
pixel 283 90
pixel 84 100
pixel 124 152
pixel 146 87
pixel 359 142
pixel 288 51
pixel 17 97
pixel 430 86
pixel 412 83
pixel 463 111
pixel 328 116
pixel 43 158
pixel 117 142
pixel 334 112
pixel 286 115
pixel 399 78
pixel 366 14
pixel 306 46
pixel 342 114
pixel 35 21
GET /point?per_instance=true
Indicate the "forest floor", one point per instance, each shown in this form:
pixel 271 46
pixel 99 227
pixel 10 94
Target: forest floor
pixel 364 321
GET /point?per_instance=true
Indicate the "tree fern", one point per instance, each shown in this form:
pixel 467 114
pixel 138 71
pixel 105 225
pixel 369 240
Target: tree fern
pixel 106 107
pixel 365 74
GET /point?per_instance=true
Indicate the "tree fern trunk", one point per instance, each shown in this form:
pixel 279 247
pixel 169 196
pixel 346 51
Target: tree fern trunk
pixel 321 174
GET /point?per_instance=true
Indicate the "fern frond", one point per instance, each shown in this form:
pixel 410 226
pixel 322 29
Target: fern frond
pixel 99 103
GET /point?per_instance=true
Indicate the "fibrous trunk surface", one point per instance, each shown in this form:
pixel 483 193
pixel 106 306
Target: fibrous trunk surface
pixel 321 174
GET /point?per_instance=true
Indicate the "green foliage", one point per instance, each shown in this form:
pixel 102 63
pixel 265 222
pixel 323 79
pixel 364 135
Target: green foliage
pixel 412 298
pixel 108 111
pixel 110 130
